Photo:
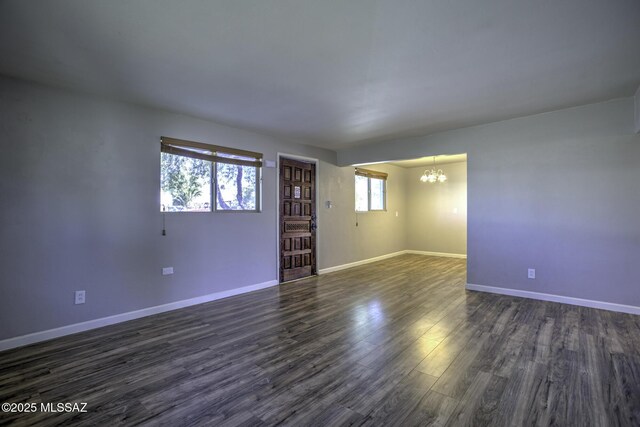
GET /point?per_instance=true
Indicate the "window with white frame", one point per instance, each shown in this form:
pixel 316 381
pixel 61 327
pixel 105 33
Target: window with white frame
pixel 197 177
pixel 371 190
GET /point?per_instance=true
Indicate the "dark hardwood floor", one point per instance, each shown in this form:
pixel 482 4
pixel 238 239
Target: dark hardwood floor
pixel 398 342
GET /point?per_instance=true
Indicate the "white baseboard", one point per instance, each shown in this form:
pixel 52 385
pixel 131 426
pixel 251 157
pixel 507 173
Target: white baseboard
pixel 391 255
pixel 630 309
pixel 123 317
pixel 441 254
pixel 357 263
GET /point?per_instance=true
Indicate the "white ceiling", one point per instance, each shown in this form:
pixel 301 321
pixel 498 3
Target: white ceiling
pixel 331 73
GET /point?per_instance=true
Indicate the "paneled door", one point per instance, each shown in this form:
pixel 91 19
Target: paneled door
pixel 297 219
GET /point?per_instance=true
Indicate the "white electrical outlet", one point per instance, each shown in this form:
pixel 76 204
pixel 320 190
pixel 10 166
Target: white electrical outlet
pixel 531 273
pixel 166 271
pixel 80 297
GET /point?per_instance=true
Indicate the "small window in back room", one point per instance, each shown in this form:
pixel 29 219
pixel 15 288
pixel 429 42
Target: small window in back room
pixel 370 190
pixel 197 177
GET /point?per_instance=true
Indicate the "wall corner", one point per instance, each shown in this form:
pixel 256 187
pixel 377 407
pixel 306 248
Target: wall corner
pixel 636 99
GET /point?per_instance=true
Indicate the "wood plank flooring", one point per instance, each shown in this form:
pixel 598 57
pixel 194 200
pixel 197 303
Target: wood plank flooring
pixel 398 342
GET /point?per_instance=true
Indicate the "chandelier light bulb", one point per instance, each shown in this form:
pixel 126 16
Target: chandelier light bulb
pixel 432 175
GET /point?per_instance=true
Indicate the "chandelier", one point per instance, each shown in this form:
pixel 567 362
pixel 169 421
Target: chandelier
pixel 433 175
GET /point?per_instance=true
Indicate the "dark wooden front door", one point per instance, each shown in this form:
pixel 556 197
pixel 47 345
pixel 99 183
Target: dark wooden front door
pixel 297 219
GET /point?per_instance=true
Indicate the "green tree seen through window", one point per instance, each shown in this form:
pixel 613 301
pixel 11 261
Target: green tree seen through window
pixel 186 185
pixel 187 181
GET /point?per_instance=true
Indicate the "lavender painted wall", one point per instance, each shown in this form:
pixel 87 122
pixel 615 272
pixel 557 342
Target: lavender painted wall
pixel 558 192
pixel 79 190
pixel 637 108
pixel 79 194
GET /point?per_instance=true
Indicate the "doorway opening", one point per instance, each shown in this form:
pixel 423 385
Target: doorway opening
pixel 432 204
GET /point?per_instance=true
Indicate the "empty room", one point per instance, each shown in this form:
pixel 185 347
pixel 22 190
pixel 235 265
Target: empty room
pixel 328 213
